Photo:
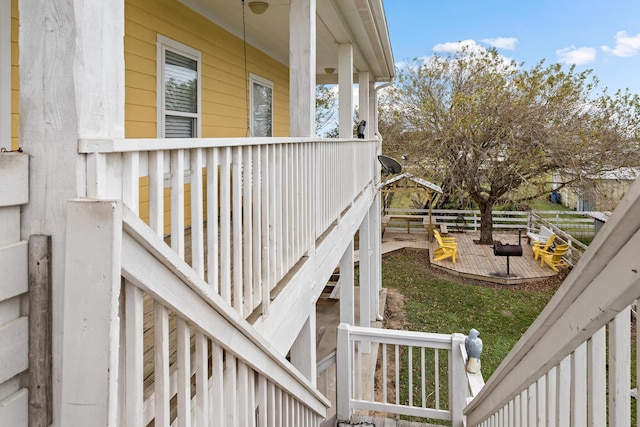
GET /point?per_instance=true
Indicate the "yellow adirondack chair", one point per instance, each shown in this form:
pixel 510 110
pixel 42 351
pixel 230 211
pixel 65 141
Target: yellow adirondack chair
pixel 540 246
pixel 554 259
pixel 448 248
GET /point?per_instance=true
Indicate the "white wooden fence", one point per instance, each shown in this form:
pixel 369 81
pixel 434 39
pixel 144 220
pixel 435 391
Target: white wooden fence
pixel 579 224
pixel 14 323
pixel 429 369
pixel 573 366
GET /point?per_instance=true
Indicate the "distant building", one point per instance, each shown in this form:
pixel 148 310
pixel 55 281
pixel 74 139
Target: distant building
pixel 601 192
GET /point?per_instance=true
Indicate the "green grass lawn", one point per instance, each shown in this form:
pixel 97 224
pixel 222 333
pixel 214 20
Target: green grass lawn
pixel 435 303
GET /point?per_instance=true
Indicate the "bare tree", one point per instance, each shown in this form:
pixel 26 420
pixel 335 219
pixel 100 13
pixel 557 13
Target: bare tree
pixel 486 125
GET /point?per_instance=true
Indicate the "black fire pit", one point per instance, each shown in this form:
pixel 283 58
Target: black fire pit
pixel 508 250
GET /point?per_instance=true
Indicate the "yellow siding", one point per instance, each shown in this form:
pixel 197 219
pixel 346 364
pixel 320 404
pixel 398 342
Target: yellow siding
pixel 15 77
pixel 223 84
pixel 224 108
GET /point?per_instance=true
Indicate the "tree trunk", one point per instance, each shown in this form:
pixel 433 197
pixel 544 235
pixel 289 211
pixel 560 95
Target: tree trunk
pixel 486 222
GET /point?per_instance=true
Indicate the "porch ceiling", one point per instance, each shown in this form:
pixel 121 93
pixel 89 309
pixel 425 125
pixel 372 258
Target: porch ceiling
pixel 359 22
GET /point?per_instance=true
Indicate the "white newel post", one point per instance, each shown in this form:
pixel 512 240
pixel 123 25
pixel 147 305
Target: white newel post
pixel 458 384
pixel 344 372
pixel 71 88
pixel 302 69
pixel 90 344
pixel 345 90
pixel 346 282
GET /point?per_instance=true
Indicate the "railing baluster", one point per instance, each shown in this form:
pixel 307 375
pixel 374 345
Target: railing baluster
pixel 202 378
pixel 197 213
pixel 131 180
pixel 397 362
pixel 183 356
pixel 564 392
pixel 579 386
pixel 243 395
pixel 359 369
pixel 551 397
pixel 156 192
pixel 177 202
pixel 161 363
pixel 410 373
pixel 384 373
pixel 436 376
pixel 619 372
pixel 213 240
pixel 247 226
pixel 372 376
pixel 134 324
pixel 265 233
pixel 541 389
pixel 256 229
pixel 217 414
pixel 225 224
pixel 423 381
pixel 230 387
pixel 236 223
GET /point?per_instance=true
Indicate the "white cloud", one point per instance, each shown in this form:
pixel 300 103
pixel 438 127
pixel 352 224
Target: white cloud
pixel 470 45
pixel 508 43
pixel 576 55
pixel 626 45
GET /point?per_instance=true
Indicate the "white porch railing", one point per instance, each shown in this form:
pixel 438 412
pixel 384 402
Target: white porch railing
pixel 573 365
pixel 158 345
pixel 428 368
pixel 258 204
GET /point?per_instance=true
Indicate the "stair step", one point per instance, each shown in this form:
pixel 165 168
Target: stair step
pixel 371 421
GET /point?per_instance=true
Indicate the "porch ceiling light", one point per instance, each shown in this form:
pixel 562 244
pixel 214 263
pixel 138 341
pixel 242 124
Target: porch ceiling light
pixel 329 70
pixel 258 7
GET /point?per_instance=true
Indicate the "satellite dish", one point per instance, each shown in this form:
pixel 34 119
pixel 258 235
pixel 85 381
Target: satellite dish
pixel 390 166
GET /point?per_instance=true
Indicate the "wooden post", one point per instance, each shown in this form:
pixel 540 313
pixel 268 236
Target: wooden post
pixel 346 283
pixel 91 324
pixel 302 67
pixel 40 403
pixel 365 273
pixel 457 381
pixel 344 373
pixel 345 90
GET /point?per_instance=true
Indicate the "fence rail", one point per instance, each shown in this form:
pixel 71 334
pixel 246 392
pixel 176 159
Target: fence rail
pixel 574 223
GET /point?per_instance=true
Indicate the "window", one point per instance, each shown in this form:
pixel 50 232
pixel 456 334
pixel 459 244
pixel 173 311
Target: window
pixel 261 106
pixel 178 90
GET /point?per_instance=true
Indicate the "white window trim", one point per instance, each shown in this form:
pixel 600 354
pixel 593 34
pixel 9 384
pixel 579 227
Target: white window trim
pixel 162 44
pixel 5 74
pixel 253 78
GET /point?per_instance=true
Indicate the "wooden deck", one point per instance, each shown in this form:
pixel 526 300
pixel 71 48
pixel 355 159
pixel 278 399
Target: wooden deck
pixel 476 261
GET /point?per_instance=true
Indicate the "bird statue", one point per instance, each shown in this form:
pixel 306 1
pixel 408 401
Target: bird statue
pixel 473 346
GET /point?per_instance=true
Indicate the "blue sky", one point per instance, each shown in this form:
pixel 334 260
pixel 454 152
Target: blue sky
pixel 603 35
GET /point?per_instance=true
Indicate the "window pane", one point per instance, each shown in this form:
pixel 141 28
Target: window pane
pixel 179 127
pixel 181 83
pixel 262 110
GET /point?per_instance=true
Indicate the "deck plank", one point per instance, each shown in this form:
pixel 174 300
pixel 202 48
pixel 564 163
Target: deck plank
pixel 476 261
